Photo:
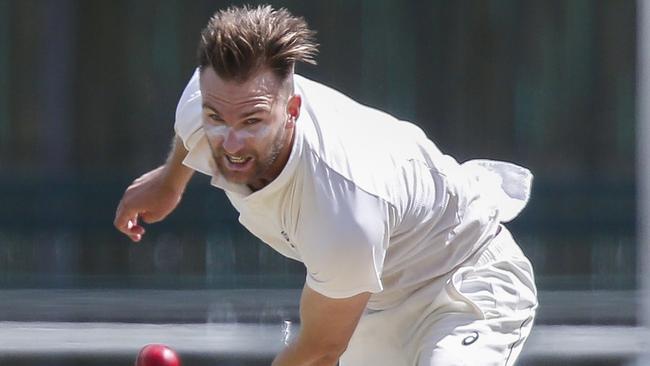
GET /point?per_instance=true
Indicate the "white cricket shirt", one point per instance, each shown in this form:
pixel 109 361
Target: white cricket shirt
pixel 366 202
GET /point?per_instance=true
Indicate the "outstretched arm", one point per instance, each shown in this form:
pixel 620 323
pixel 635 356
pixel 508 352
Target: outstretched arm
pixel 326 326
pixel 154 195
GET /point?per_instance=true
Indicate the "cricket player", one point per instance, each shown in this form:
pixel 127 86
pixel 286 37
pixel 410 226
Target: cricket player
pixel 407 259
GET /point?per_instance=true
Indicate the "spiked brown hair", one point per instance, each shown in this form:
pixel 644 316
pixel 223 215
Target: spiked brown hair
pixel 238 41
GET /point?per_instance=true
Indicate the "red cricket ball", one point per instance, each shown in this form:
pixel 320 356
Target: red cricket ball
pixel 157 355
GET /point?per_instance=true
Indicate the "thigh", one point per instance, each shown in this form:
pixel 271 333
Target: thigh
pixel 460 340
pixel 387 337
pixel 502 291
pixel 377 341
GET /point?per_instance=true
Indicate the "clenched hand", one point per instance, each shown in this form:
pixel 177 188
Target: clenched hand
pixel 150 198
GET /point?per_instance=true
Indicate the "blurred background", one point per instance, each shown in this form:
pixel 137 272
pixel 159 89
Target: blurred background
pixel 88 91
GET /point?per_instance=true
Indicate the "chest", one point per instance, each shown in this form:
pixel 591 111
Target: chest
pixel 274 221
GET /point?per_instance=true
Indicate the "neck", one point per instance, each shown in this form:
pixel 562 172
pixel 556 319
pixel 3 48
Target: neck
pixel 277 166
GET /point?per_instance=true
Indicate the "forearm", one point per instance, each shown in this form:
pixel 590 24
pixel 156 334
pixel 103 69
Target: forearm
pixel 326 328
pixel 177 175
pixel 296 354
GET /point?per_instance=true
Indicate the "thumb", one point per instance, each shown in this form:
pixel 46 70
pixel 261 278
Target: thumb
pixel 151 217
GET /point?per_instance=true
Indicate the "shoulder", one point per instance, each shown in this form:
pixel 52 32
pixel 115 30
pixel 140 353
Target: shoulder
pixel 188 113
pixel 333 207
pixel 347 137
pixel 190 94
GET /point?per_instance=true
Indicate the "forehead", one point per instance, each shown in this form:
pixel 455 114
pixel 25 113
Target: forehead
pixel 262 87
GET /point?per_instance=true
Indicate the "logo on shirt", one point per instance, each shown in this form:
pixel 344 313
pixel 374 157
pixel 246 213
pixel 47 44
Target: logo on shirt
pixel 285 235
pixel 286 238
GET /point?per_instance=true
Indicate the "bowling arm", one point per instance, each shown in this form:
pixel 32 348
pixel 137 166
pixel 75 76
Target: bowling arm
pixel 326 326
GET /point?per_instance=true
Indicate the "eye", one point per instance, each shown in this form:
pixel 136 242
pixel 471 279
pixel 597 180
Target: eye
pixel 252 121
pixel 214 117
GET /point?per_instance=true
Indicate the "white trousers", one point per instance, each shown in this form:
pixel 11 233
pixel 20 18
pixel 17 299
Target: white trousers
pixel 479 314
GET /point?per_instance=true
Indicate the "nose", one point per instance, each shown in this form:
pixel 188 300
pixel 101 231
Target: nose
pixel 232 142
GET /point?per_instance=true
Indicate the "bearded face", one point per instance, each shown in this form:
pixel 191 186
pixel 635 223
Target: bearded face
pixel 248 125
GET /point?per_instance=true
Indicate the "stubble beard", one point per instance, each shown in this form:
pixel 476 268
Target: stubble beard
pixel 260 172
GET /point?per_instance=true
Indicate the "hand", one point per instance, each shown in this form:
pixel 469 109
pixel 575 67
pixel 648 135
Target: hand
pixel 151 198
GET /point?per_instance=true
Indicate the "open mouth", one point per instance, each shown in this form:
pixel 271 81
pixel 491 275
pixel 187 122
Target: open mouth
pixel 237 159
pixel 237 163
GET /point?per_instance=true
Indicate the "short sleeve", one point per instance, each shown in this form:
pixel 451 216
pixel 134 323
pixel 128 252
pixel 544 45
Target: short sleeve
pixel 188 127
pixel 188 113
pixel 343 238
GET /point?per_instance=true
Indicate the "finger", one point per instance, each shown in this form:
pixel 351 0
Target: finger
pixel 150 218
pixel 135 237
pixel 136 229
pixel 131 227
pixel 122 218
pixel 129 224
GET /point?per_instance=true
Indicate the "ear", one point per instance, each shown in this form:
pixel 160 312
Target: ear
pixel 293 107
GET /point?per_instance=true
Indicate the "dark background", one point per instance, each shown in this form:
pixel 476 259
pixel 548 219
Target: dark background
pixel 88 91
